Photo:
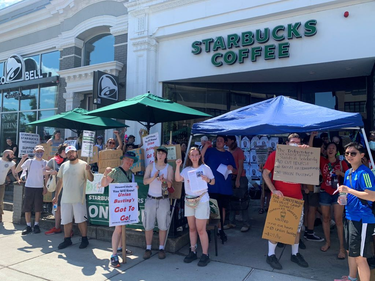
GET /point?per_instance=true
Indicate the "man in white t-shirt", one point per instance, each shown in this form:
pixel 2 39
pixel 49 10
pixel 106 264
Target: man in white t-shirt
pixel 35 187
pixel 6 164
pixel 72 176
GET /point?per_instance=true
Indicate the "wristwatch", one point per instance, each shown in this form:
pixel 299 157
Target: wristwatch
pixel 210 181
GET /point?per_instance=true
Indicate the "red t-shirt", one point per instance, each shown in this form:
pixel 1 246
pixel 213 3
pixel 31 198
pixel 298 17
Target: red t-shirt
pixel 289 189
pixel 239 155
pixel 327 169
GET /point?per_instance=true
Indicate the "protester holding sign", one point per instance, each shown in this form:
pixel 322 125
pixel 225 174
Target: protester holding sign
pixel 280 188
pixel 34 187
pixel 159 177
pixel 121 174
pixel 196 176
pixel 359 186
pixel 73 175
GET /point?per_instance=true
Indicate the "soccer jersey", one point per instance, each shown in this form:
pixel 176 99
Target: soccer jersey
pixel 360 179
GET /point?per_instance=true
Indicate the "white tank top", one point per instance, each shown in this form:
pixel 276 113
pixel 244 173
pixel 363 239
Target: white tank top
pixel 155 186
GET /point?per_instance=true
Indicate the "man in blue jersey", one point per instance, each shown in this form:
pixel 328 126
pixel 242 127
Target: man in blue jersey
pixel 359 185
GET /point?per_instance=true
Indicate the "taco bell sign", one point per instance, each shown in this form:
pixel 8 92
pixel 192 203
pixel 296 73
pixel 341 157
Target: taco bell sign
pixel 105 88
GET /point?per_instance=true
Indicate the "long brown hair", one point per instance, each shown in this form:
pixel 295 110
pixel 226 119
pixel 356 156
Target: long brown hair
pixel 188 161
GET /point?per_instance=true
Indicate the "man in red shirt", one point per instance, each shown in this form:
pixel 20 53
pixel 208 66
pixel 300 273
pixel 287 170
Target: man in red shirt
pixel 280 188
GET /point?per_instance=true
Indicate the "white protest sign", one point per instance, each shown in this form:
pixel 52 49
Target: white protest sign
pixel 71 142
pixel 123 203
pixel 95 187
pixel 88 138
pixel 150 142
pixel 27 142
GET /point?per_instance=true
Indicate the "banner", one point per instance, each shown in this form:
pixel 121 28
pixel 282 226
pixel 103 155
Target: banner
pixel 123 203
pixel 88 139
pixel 27 142
pixel 150 143
pixel 297 165
pixel 282 220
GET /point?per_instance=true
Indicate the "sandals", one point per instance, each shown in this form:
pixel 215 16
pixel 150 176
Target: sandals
pixel 261 211
pixel 341 255
pixel 325 248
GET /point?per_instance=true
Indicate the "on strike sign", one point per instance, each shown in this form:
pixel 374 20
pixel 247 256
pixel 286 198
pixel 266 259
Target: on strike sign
pixel 123 203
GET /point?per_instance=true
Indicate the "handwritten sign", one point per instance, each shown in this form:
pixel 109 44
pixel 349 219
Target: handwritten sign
pixel 140 165
pixel 95 187
pixel 150 142
pixel 27 142
pixel 123 203
pixel 109 158
pixel 88 138
pixel 297 165
pixel 282 220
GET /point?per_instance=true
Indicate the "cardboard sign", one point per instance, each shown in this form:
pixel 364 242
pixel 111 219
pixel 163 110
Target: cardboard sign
pixel 93 159
pixel 297 165
pixel 150 142
pixel 47 155
pixel 174 152
pixel 27 142
pixel 95 187
pixel 109 158
pixel 282 220
pixel 123 203
pixel 140 165
pixel 88 139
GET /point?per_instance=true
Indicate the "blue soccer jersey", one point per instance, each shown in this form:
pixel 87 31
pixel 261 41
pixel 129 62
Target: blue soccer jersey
pixel 361 179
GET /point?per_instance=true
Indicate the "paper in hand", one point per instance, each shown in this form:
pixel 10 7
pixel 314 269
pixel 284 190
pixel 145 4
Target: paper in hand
pixel 223 169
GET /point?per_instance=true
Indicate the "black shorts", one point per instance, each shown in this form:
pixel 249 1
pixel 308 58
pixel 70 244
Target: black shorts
pixel 354 230
pixel 311 198
pixel 33 199
pixel 222 199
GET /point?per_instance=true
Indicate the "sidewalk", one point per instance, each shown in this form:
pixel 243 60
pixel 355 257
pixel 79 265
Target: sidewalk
pixel 36 257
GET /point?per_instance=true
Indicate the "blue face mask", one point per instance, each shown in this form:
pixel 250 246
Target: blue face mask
pixel 372 145
pixel 39 154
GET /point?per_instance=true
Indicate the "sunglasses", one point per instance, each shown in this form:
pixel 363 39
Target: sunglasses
pixel 353 154
pixel 111 142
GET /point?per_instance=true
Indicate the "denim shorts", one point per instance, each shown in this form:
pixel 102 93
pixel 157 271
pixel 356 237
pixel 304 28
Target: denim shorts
pixel 327 199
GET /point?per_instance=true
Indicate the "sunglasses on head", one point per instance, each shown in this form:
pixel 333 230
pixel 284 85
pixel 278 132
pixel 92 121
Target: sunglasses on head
pixel 353 154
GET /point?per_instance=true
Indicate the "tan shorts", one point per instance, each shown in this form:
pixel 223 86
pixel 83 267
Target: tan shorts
pixel 156 209
pixel 201 212
pixel 70 210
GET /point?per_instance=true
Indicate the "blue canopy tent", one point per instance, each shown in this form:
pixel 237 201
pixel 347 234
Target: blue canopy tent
pixel 280 115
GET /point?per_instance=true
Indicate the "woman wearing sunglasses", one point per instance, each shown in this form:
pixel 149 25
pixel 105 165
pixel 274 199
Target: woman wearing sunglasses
pixel 111 143
pixel 333 171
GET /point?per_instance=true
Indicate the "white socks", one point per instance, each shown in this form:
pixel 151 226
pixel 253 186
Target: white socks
pixel 148 247
pixel 295 249
pixel 271 248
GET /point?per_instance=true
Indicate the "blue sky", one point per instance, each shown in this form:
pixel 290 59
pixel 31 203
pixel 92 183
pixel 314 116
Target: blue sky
pixel 6 3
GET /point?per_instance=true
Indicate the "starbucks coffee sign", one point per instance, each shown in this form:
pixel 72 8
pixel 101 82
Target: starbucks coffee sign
pixel 251 45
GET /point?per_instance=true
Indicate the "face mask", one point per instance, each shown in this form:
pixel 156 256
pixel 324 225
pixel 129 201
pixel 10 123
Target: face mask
pixel 39 154
pixel 372 145
pixel 293 144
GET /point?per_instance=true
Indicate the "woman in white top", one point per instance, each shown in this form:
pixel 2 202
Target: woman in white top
pixel 197 207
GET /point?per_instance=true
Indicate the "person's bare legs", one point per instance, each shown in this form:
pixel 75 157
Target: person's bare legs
pixel 363 269
pixel 338 212
pixel 162 236
pixel 82 228
pixel 28 217
pixel 67 229
pixel 58 218
pixel 37 216
pixel 148 235
pixel 192 232
pixel 326 211
pixel 201 228
pixel 116 238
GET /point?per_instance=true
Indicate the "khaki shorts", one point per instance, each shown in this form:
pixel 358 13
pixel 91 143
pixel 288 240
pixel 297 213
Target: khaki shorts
pixel 70 210
pixel 201 212
pixel 156 209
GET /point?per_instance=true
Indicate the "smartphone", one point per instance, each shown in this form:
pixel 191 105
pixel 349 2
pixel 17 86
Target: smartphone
pixel 31 155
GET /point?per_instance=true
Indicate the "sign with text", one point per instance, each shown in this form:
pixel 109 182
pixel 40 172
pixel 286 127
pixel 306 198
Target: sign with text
pixel 140 165
pixel 297 165
pixel 282 220
pixel 150 143
pixel 95 187
pixel 27 142
pixel 109 158
pixel 123 203
pixel 88 139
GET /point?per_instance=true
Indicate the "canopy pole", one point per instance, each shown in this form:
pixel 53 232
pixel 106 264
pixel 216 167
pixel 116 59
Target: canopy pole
pixel 368 148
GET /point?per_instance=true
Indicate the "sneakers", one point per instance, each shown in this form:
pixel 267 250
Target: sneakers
pixel 302 245
pixel 53 230
pixel 313 237
pixel 84 243
pixel 204 260
pixel 36 228
pixel 161 254
pixel 147 254
pixel 298 259
pixel 229 226
pixel 245 228
pixel 114 261
pixel 67 242
pixel 27 230
pixel 274 262
pixel 190 257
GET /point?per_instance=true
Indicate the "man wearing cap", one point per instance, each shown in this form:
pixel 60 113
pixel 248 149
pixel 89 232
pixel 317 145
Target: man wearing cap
pixel 121 174
pixel 72 176
pixel 159 177
pixel 35 187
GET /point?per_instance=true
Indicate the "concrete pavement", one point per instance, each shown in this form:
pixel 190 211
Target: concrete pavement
pixel 36 257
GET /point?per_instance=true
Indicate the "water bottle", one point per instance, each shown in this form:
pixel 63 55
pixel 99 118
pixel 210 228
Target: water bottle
pixel 54 208
pixel 343 198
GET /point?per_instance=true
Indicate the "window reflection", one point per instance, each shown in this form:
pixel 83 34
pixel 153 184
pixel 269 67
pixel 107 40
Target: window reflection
pixel 50 63
pixel 10 101
pixel 25 118
pixel 8 128
pixel 32 63
pixel 99 49
pixel 1 69
pixel 48 97
pixel 28 99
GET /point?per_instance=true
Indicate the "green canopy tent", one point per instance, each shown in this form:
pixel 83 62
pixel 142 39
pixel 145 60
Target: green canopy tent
pixel 148 110
pixel 77 119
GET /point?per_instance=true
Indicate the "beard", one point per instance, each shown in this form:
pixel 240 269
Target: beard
pixel 73 158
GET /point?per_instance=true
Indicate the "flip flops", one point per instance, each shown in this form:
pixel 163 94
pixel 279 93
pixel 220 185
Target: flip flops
pixel 325 248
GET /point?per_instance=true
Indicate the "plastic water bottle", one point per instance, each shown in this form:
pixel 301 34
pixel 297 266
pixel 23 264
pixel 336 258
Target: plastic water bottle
pixel 343 200
pixel 54 208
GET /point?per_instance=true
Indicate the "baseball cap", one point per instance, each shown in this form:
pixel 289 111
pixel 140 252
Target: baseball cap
pixel 39 147
pixel 99 137
pixel 131 155
pixel 162 148
pixel 70 148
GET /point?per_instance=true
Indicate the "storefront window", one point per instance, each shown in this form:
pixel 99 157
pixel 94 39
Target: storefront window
pixel 48 97
pixel 32 63
pixel 45 132
pixel 28 99
pixel 1 69
pixel 10 101
pixel 51 63
pixel 99 49
pixel 25 118
pixel 8 128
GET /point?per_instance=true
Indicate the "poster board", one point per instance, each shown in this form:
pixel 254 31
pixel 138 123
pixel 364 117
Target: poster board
pixel 93 159
pixel 95 187
pixel 140 165
pixel 172 157
pixel 123 203
pixel 282 220
pixel 27 142
pixel 297 165
pixel 150 142
pixel 109 158
pixel 47 155
pixel 88 139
